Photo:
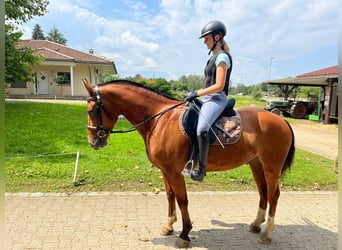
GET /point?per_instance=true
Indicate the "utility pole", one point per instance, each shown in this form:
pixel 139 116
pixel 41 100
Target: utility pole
pixel 269 75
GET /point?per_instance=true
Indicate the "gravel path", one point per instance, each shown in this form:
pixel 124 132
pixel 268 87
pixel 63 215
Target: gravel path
pixel 316 138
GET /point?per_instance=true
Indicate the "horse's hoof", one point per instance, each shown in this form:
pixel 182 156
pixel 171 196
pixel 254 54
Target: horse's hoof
pixel 254 229
pixel 180 243
pixel 264 239
pixel 164 231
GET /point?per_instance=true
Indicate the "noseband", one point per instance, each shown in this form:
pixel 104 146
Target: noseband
pixel 101 131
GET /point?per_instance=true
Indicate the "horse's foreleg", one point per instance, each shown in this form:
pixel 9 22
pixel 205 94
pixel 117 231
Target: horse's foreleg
pixel 177 185
pixel 259 177
pixel 167 227
pixel 184 240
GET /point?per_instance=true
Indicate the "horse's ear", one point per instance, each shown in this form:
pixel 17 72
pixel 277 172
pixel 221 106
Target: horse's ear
pixel 88 86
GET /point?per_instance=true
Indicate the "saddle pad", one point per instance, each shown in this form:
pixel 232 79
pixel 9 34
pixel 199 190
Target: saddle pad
pixel 232 126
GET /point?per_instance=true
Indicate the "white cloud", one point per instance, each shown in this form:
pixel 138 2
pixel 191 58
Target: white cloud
pixel 137 6
pixel 132 41
pixel 65 6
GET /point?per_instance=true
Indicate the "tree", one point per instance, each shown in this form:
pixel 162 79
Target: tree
pixel 256 91
pixel 19 11
pixel 307 92
pixel 38 33
pixel 55 36
pixel 241 89
pixel 19 61
pixel 163 86
pixel 288 90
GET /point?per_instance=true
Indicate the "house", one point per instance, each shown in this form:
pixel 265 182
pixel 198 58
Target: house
pixel 327 79
pixel 62 71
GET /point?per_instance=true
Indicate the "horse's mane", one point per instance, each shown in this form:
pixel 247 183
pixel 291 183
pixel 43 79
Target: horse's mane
pixel 139 85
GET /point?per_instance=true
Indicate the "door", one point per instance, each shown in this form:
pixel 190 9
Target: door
pixel 42 83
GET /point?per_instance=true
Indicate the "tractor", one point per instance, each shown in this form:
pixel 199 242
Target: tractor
pixel 290 108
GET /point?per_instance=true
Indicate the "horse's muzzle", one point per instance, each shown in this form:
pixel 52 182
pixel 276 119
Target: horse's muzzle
pixel 97 142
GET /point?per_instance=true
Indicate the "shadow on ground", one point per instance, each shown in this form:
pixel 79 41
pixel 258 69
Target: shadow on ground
pixel 236 236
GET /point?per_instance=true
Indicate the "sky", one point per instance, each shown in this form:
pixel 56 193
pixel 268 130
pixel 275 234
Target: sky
pixel 269 39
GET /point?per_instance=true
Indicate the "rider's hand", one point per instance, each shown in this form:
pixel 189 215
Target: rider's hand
pixel 191 96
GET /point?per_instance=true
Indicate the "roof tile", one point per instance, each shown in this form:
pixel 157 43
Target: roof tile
pixel 333 70
pixel 57 52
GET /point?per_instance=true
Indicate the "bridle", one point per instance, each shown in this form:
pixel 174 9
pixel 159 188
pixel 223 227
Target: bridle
pixel 102 132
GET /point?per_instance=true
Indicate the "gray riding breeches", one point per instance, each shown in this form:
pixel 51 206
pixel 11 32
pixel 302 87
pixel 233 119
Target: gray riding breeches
pixel 213 106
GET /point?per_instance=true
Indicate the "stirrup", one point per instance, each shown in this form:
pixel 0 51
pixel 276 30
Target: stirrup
pixel 199 177
pixel 189 166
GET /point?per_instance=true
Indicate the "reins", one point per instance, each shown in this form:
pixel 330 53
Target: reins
pixel 102 132
pixel 133 128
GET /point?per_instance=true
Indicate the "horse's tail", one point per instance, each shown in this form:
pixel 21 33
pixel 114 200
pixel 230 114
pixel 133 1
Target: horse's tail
pixel 290 154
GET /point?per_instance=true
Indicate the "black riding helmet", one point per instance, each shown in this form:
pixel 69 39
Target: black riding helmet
pixel 213 27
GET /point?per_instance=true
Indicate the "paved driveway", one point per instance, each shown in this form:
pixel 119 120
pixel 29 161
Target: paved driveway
pixel 304 220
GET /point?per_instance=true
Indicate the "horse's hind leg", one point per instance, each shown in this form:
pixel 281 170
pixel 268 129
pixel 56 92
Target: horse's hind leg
pixel 260 180
pixel 267 180
pixel 273 193
pixel 167 227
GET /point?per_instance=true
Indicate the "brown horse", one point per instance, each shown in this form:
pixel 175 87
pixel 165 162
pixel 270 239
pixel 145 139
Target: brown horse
pixel 266 144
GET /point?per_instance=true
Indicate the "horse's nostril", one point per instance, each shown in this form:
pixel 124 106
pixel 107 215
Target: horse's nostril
pixel 97 142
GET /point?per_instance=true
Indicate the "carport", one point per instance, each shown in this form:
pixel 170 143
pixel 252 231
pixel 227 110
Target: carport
pixel 326 78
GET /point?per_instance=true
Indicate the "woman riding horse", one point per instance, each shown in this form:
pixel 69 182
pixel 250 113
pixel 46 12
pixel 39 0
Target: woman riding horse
pixel 214 93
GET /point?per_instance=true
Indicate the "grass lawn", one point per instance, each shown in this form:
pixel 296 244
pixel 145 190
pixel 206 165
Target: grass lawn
pixel 42 140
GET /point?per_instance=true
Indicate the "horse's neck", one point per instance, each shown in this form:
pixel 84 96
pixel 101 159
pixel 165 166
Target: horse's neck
pixel 138 104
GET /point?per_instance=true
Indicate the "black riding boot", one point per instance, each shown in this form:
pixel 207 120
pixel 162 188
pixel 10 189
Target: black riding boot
pixel 203 148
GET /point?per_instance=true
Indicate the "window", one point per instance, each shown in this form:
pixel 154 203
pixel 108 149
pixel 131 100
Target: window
pixel 63 78
pixel 18 84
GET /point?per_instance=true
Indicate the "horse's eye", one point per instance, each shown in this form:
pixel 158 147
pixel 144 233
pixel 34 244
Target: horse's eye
pixel 91 113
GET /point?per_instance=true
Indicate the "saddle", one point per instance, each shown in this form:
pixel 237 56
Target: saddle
pixel 225 130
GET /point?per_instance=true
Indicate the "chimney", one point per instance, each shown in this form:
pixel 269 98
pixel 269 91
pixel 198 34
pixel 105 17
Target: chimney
pixel 91 51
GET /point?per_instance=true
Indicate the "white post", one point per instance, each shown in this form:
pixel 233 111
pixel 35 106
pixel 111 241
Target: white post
pixel 76 166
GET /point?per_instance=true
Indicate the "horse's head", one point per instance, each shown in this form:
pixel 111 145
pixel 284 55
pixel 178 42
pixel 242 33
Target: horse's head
pixel 100 120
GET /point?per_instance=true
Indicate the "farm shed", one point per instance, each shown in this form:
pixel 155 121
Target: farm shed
pixel 327 79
